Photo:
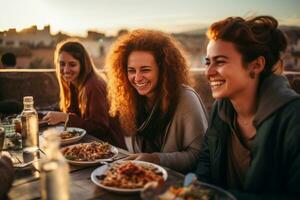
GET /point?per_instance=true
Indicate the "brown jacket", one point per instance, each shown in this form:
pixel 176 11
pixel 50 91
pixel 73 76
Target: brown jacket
pixel 96 120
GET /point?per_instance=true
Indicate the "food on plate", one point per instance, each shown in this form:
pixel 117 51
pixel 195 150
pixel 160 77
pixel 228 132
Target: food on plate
pixel 70 134
pixel 88 151
pixel 191 192
pixel 130 175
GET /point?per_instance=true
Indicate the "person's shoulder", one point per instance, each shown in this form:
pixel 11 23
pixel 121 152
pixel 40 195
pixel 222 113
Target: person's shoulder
pixel 95 82
pixel 292 107
pixel 187 93
pixel 189 98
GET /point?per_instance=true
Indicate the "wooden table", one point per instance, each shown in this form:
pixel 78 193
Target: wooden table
pixel 27 184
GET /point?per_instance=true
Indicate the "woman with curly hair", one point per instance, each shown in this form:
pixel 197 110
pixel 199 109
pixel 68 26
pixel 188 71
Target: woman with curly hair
pixel 148 90
pixel 252 145
pixel 83 95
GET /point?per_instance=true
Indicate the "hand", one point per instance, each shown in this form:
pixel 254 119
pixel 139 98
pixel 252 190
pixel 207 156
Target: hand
pixel 6 157
pixel 55 117
pixel 148 157
pixel 4 153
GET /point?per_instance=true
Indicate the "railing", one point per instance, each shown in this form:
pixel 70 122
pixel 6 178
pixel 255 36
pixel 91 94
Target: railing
pixel 53 70
pixel 27 70
pixel 42 84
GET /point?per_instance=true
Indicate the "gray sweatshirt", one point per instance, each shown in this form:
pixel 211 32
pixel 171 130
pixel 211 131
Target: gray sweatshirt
pixel 184 133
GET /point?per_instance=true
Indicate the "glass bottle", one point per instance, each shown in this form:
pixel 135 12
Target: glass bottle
pixel 54 170
pixel 30 126
pixel 16 138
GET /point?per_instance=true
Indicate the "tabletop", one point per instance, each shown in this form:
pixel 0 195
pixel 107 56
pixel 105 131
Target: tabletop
pixel 27 184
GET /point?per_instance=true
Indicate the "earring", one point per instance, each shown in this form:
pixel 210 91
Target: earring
pixel 252 75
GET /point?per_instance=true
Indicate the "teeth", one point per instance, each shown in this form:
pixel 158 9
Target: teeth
pixel 216 83
pixel 140 84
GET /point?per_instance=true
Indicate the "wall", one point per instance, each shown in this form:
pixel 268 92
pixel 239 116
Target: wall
pixel 43 87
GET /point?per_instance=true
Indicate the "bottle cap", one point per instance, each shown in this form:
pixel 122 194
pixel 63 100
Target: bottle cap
pixel 27 99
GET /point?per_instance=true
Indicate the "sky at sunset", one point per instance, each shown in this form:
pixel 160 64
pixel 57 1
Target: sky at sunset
pixel 77 16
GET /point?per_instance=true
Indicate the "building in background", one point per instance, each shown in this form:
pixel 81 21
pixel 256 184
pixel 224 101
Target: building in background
pixel 34 48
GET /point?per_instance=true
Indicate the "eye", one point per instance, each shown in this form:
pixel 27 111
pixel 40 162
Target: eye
pixel 146 70
pixel 220 62
pixel 206 63
pixel 130 70
pixel 73 64
pixel 62 64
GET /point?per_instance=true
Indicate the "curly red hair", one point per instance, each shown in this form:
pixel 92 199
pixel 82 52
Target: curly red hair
pixel 173 72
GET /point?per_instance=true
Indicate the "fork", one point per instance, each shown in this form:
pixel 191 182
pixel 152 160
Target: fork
pixel 110 161
pixel 105 163
pixel 22 165
pixel 65 125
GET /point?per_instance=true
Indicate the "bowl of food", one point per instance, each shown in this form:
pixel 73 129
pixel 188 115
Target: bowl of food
pixel 128 176
pixel 71 135
pixel 87 154
pixel 194 191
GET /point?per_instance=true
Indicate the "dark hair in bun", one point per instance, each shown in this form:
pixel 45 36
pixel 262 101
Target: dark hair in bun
pixel 254 37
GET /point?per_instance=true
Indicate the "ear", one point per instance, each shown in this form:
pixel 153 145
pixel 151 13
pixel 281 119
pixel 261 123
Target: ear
pixel 257 65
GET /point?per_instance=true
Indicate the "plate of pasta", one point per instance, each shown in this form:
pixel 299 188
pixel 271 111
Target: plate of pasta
pixel 176 191
pixel 71 135
pixel 87 154
pixel 128 176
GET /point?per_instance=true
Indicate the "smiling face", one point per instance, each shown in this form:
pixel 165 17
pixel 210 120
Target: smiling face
pixel 69 67
pixel 225 72
pixel 143 73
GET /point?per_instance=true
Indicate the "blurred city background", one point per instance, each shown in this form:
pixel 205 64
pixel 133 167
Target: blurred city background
pixel 31 29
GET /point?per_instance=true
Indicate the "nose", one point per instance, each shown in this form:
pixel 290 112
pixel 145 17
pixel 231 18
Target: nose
pixel 138 77
pixel 210 70
pixel 65 69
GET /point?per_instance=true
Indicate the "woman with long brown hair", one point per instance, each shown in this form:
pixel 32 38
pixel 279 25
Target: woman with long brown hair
pixel 252 145
pixel 148 90
pixel 83 95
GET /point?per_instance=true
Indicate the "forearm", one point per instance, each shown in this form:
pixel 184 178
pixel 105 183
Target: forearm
pixel 182 161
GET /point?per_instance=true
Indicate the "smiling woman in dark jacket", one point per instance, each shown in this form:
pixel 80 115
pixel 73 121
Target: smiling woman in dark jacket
pixel 252 146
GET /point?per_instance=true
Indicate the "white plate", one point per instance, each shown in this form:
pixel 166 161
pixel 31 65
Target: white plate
pixel 72 140
pixel 102 170
pixel 94 162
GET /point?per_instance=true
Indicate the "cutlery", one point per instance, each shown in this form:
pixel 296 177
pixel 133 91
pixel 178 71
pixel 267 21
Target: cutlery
pixel 22 165
pixel 110 161
pixel 189 179
pixel 65 125
pixel 105 163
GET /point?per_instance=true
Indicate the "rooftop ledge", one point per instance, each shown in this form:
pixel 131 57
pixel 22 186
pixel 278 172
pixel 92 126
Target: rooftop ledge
pixel 43 86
